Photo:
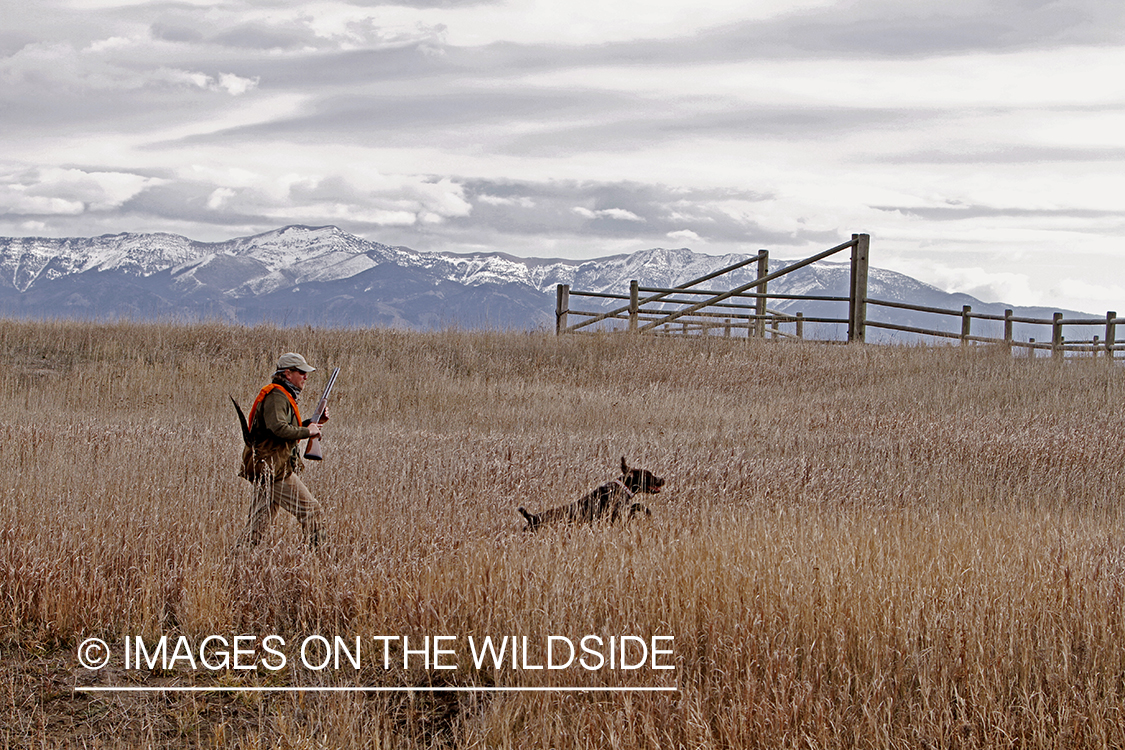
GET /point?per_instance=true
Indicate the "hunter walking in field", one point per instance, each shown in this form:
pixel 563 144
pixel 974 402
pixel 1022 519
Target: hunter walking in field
pixel 271 460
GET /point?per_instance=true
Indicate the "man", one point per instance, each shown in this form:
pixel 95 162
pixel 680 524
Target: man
pixel 271 460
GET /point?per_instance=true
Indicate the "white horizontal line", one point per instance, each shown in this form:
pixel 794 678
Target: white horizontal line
pixel 400 689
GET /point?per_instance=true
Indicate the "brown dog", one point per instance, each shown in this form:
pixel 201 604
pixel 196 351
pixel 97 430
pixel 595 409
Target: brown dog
pixel 611 500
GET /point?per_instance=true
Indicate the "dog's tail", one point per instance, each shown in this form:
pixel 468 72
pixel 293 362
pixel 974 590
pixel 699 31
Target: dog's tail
pixel 532 520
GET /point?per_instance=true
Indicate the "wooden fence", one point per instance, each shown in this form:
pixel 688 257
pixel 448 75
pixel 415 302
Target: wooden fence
pixel 743 310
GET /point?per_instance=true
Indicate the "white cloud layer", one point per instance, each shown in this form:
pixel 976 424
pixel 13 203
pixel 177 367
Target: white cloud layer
pixel 68 192
pixel 620 214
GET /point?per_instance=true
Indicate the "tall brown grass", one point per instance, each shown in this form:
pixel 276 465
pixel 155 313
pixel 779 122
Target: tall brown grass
pixel 858 546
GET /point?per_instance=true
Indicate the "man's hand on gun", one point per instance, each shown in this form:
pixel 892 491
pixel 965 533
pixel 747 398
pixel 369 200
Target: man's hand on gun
pixel 314 427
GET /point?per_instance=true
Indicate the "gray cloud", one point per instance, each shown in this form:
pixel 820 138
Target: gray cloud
pixel 13 42
pixel 628 129
pixel 388 130
pixel 264 37
pixel 432 116
pixel 1002 154
pixel 176 33
pixel 617 210
pixel 964 212
pixel 897 29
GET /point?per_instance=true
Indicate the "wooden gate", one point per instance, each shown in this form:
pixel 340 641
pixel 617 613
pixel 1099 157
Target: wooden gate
pixel 695 310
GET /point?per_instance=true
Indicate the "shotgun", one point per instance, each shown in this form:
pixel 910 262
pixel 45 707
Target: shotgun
pixel 312 450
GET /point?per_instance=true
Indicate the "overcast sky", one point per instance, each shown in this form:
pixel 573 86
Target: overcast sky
pixel 980 142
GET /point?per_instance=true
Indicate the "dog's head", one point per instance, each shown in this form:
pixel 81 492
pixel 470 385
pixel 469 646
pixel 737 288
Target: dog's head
pixel 640 480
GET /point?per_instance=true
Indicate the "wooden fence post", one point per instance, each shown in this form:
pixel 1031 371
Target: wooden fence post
pixel 634 305
pixel 800 325
pixel 562 307
pixel 1008 329
pixel 760 305
pixel 1056 336
pixel 857 303
pixel 1110 334
pixel 966 323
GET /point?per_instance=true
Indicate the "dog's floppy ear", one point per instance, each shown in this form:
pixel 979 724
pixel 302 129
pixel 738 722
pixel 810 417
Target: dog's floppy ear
pixel 624 466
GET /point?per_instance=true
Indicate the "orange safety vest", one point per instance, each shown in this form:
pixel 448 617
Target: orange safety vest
pixel 263 393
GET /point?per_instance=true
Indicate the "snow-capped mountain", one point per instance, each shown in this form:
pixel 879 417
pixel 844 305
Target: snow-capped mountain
pixel 325 276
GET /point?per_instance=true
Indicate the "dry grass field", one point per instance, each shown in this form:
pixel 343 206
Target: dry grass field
pixel 857 546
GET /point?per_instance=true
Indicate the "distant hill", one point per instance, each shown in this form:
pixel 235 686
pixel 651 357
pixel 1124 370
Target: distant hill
pixel 325 276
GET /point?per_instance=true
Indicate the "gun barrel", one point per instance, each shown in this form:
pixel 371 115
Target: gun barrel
pixel 323 403
pixel 312 450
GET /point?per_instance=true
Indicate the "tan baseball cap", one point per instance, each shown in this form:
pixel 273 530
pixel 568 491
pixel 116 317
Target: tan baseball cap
pixel 293 361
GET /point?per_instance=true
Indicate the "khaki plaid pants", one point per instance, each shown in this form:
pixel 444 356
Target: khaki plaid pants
pixel 290 494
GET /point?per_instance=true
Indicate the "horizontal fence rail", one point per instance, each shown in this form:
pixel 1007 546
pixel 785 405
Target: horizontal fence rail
pixel 1058 344
pixel 742 310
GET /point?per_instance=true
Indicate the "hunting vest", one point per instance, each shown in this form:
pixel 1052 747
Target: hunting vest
pixel 267 457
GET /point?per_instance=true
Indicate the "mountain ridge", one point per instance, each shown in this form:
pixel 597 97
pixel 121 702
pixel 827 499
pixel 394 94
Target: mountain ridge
pixel 300 274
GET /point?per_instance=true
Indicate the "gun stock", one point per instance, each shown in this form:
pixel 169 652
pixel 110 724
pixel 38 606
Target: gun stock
pixel 312 449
